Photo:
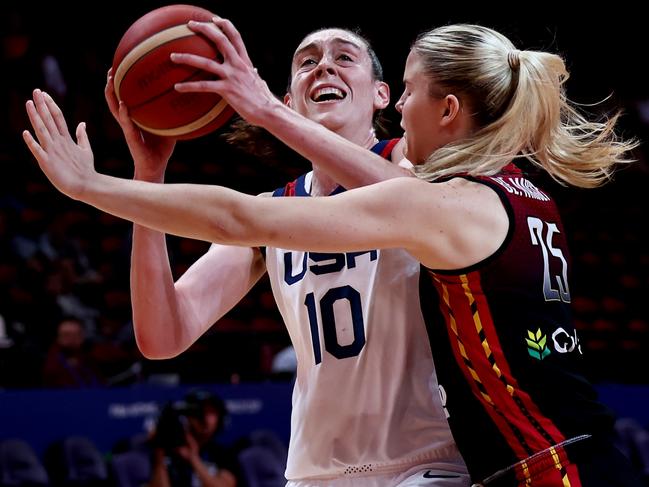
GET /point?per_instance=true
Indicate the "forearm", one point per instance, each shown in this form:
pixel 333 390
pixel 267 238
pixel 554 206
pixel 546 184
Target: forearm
pixel 346 162
pixel 159 474
pixel 156 321
pixel 352 221
pixel 209 213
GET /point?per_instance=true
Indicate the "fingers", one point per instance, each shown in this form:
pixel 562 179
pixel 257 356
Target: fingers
pixel 111 97
pixel 206 86
pixel 33 146
pixel 199 62
pixel 119 111
pixel 44 113
pixel 82 136
pixel 57 115
pixel 42 134
pixel 217 36
pixel 233 36
pixel 132 134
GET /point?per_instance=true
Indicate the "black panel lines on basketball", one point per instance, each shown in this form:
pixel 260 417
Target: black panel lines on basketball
pixel 169 90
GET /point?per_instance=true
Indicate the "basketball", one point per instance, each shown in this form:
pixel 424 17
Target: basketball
pixel 144 76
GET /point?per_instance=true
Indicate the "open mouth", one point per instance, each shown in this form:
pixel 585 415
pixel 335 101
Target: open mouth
pixel 328 93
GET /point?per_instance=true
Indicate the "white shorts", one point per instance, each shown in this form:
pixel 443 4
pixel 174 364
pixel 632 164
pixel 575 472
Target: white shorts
pixel 419 476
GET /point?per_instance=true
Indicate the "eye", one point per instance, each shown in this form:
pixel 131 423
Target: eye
pixel 345 57
pixel 307 62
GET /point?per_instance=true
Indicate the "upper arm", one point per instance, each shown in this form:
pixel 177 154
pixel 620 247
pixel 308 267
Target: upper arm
pixel 465 222
pixel 375 216
pixel 445 225
pixel 216 282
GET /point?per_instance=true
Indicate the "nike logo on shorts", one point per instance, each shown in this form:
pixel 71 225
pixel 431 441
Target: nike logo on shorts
pixel 430 475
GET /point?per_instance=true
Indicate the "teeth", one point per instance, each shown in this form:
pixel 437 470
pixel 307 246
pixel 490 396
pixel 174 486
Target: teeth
pixel 328 91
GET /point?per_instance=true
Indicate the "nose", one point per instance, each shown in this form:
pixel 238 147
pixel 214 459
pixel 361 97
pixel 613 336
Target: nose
pixel 399 104
pixel 325 66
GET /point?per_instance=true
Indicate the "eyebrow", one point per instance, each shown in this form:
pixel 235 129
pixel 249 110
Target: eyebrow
pixel 313 45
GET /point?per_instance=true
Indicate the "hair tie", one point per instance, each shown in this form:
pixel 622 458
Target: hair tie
pixel 514 59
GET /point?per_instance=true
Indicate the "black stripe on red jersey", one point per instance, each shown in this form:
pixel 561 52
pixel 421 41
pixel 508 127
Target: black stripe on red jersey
pixel 458 396
pixel 523 425
pixel 493 389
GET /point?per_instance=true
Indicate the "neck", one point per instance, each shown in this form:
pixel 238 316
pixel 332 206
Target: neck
pixel 321 183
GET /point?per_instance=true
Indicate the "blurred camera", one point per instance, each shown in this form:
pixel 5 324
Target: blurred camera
pixel 172 424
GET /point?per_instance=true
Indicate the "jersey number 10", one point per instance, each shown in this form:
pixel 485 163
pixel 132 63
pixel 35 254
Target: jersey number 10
pixel 326 305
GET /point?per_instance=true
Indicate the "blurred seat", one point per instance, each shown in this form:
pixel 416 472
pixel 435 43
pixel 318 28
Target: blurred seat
pixel 642 444
pixel 626 430
pixel 131 468
pixel 75 461
pixel 19 465
pixel 261 467
pixel 138 441
pixel 269 440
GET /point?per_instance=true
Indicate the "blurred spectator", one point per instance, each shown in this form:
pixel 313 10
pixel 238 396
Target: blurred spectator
pixel 60 258
pixel 186 452
pixel 285 363
pixel 5 340
pixel 68 364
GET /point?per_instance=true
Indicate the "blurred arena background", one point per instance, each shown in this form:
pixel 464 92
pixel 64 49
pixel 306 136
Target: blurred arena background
pixel 60 259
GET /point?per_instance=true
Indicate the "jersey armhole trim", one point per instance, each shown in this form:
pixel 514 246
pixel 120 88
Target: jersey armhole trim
pixel 508 238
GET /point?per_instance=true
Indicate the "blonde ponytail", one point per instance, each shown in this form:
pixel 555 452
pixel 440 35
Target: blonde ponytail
pixel 520 108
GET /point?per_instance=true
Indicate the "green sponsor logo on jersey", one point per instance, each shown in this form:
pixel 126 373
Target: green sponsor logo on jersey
pixel 536 345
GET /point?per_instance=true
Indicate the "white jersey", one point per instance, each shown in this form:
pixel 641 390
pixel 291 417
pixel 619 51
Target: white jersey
pixel 366 398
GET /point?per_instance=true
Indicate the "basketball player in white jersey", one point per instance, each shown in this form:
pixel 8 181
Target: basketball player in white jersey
pixel 366 406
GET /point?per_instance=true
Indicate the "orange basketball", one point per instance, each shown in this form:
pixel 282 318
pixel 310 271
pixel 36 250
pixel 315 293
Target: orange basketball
pixel 144 76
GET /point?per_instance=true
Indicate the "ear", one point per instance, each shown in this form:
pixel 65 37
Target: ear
pixel 451 109
pixel 288 100
pixel 381 95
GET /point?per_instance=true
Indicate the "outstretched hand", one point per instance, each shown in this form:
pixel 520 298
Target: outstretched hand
pixel 237 79
pixel 150 152
pixel 69 165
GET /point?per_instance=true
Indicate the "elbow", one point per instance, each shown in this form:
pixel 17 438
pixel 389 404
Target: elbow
pixel 150 353
pixel 152 348
pixel 223 232
pixel 154 353
pixel 237 227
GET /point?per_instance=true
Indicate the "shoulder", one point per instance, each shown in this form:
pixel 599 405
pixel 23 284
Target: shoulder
pixel 468 199
pixel 416 187
pixel 450 224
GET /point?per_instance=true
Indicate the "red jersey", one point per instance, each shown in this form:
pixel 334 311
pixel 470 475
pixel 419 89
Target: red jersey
pixel 507 354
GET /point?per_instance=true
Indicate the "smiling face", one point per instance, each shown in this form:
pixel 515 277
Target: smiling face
pixel 332 83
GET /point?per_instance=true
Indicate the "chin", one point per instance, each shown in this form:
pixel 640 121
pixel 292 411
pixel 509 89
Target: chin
pixel 413 157
pixel 331 121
